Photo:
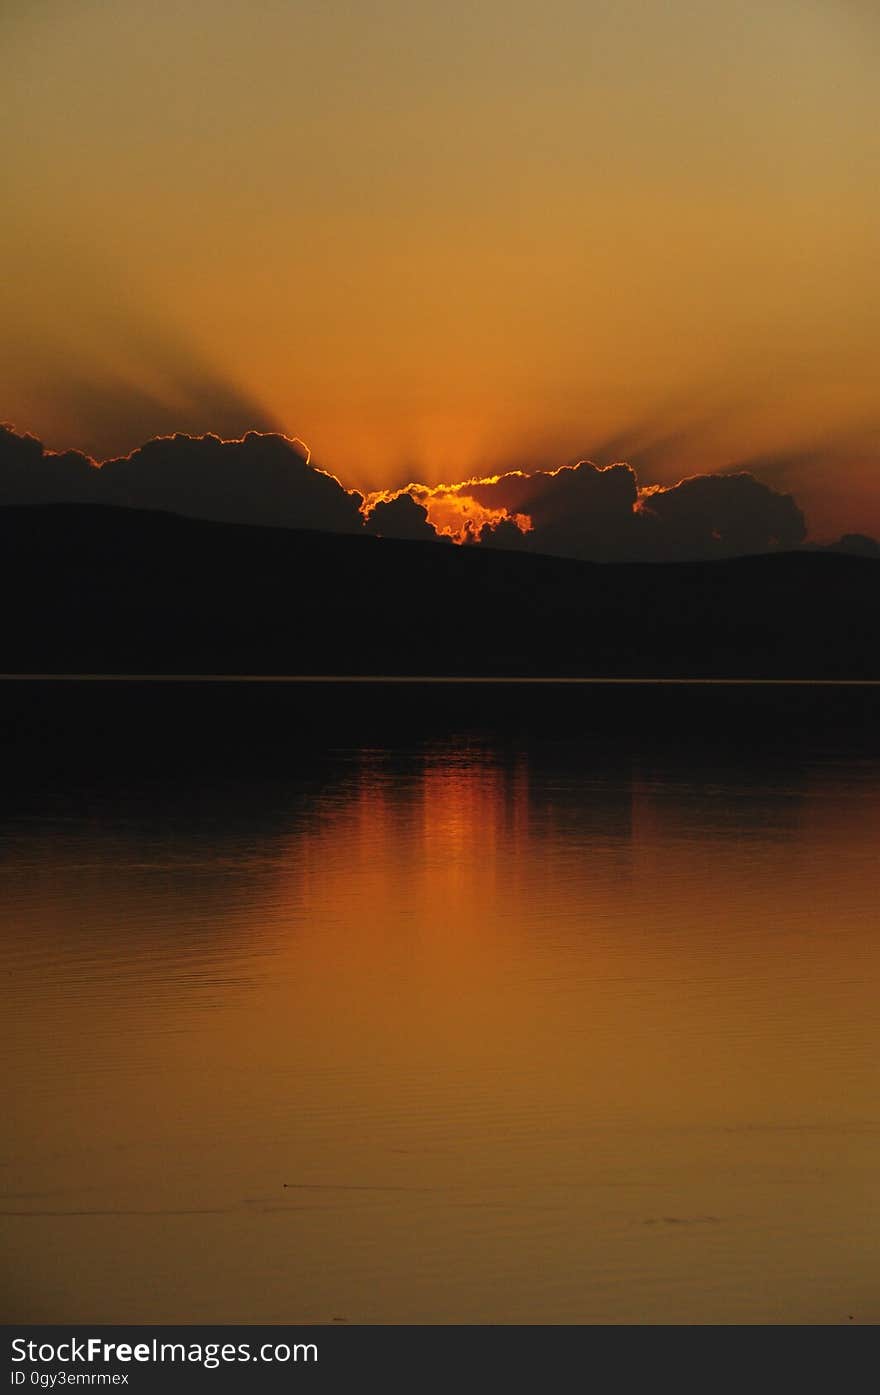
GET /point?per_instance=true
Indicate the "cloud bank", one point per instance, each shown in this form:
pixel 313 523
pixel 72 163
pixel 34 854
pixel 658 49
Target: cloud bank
pixel 585 511
pixel 262 479
pixel 600 514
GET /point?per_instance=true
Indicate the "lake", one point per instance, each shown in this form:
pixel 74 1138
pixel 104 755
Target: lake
pixel 431 1003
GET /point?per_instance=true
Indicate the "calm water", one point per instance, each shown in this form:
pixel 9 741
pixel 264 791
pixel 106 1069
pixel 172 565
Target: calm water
pixel 420 1009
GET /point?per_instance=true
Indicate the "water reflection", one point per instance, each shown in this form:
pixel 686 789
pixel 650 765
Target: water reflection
pixel 528 1021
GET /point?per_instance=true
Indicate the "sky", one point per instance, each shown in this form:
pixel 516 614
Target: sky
pixel 438 241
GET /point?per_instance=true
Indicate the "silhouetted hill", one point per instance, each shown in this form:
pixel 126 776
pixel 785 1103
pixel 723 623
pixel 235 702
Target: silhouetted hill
pixel 98 589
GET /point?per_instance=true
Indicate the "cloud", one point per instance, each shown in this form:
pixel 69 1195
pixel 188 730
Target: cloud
pixel 856 544
pixel 504 533
pixel 600 514
pixel 457 514
pixel 400 517
pixel 582 510
pixel 719 516
pixel 262 479
pixel 29 474
pixel 595 513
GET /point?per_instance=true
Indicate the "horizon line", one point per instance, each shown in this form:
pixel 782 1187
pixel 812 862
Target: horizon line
pixel 470 679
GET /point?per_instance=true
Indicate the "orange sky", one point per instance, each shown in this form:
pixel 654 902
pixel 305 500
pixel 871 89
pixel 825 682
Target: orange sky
pixel 436 241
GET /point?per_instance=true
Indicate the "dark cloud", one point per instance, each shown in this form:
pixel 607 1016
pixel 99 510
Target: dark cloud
pixel 505 533
pixel 264 479
pixel 580 510
pixel 599 514
pixel 583 511
pixel 719 516
pixel 401 517
pixel 856 545
pixel 29 474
